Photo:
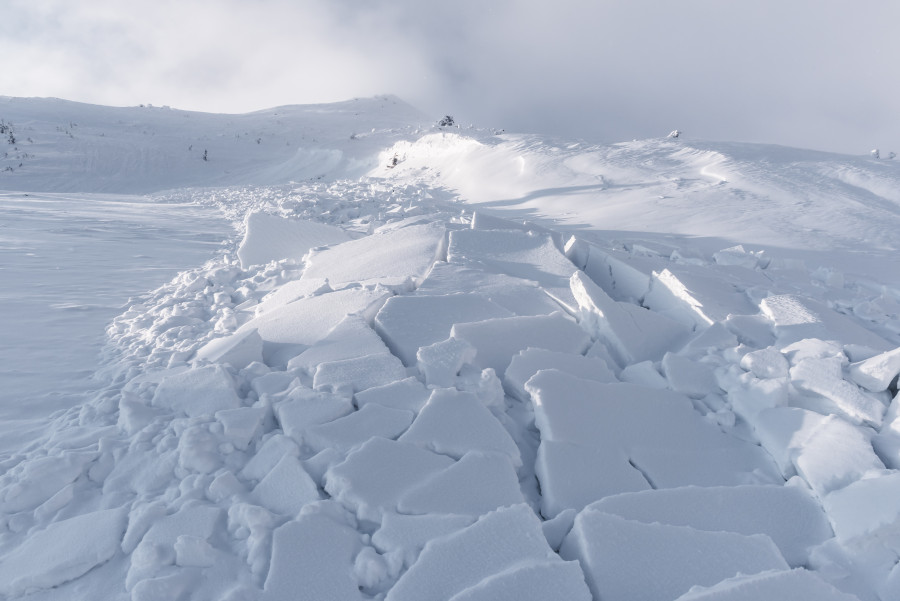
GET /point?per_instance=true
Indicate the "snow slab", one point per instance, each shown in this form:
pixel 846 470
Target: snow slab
pixel 312 560
pixel 633 333
pixel 526 255
pixel 359 373
pixel 497 340
pixel 406 323
pixel 644 374
pixel 349 339
pixel 454 422
pixel 271 238
pixel 531 582
pixel 404 536
pixel 408 393
pixel 865 506
pixel 474 485
pixel 498 541
pixel 784 431
pixel 345 433
pixel 689 377
pixel 766 363
pixel 699 297
pixel 291 291
pixel 406 252
pixel 517 295
pixel 197 392
pixel 286 488
pixel 789 515
pixel 824 377
pixel 238 349
pixel 622 275
pixel 441 362
pixel 305 408
pixel 796 318
pixel 61 552
pixel 531 360
pixel 240 426
pixel 877 373
pixel 376 475
pixel 618 555
pixel 775 585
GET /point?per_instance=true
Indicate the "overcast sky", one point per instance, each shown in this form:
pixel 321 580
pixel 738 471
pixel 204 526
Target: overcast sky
pixel 819 74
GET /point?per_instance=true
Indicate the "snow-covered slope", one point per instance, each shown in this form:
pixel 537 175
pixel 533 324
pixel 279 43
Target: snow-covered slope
pixel 461 365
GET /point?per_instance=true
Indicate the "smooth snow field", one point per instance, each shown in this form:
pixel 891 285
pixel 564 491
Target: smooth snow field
pixel 337 352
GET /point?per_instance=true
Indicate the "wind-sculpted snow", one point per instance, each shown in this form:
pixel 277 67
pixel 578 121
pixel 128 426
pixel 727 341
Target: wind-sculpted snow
pixel 422 402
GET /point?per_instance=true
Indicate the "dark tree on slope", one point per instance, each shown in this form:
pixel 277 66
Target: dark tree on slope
pixel 447 121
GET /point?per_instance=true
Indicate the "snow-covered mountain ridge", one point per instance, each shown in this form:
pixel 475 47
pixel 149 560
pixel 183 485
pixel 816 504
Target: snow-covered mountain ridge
pixel 445 363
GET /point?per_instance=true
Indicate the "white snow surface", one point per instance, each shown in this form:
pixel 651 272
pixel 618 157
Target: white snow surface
pixel 440 363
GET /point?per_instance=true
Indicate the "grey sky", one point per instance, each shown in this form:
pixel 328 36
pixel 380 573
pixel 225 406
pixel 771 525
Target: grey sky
pixel 811 73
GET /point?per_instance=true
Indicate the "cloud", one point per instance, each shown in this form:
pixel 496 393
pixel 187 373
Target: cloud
pixel 809 73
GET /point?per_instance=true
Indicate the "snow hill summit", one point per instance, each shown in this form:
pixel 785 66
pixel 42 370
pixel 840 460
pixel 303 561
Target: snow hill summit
pixel 440 362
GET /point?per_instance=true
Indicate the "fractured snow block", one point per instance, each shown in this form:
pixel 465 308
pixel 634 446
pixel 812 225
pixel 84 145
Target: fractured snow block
pixel 834 455
pixel 633 333
pixel 268 455
pixel 241 425
pixel 876 373
pixel 644 374
pixel 197 392
pixel 865 506
pixel 61 552
pixel 624 276
pixel 789 515
pixel 531 360
pixel 824 377
pixel 306 408
pixel 405 535
pixel 290 292
pixel 573 476
pixel 409 394
pixel 374 476
pixel 440 362
pixel 238 349
pixel 497 340
pixel 453 423
pixel 797 318
pixel 406 323
pixel 350 339
pixel 531 582
pixel 783 432
pixel 359 373
pixel 474 485
pixel 775 585
pixel 697 297
pixel 527 255
pixel 692 378
pixel 766 363
pixel 498 541
pixel 271 238
pixel 757 395
pixel 286 488
pixel 387 254
pixel 485 221
pixel 356 428
pixel 521 297
pixel 617 555
pixel 312 560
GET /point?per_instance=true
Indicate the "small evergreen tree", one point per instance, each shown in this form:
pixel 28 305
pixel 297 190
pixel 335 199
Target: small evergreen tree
pixel 447 121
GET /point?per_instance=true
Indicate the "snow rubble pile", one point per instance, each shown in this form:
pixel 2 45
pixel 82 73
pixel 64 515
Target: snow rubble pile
pixel 420 404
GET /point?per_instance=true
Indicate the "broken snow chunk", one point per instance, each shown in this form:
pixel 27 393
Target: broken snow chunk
pixel 271 238
pixel 359 373
pixel 313 560
pixel 864 506
pixel 797 318
pixel 498 541
pixel 737 255
pixel 556 528
pixel 823 377
pixel 310 408
pixel 268 455
pixel 527 255
pixel 485 221
pixel 696 297
pixel 61 552
pixel 877 373
pixel 440 362
pixel 350 339
pixel 197 392
pixel 716 337
pixel 474 485
pixel 193 551
pixel 223 487
pixel 239 349
pixel 407 323
pixel 754 396
pixel 752 330
pixel 286 488
pixel 789 515
pixel 374 476
pixel 773 585
pixel 404 536
pixel 618 554
pixel 766 363
pixel 834 455
pixel 497 340
pixel 694 379
pixel 531 360
pixel 573 476
pixel 385 255
pixel 633 333
pixel 536 581
pixel 783 432
pixel 453 423
pixel 356 428
pixel 409 394
pixel 644 374
pixel 241 425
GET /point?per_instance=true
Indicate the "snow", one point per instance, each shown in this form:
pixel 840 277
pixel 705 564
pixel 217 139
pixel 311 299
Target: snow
pixel 498 367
